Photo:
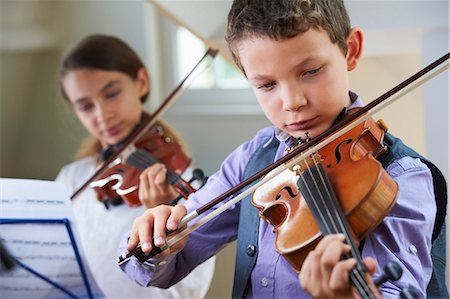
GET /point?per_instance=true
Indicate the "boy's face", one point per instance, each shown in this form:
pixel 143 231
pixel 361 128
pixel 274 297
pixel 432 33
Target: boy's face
pixel 301 83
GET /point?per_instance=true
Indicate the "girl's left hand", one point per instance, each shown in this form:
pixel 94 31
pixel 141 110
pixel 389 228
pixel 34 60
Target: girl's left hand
pixel 153 187
pixel 325 275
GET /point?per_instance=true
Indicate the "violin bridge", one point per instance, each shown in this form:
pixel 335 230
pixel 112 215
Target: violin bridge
pixel 126 153
pixel 306 163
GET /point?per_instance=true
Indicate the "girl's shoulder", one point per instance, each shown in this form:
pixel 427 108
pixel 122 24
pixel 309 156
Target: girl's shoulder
pixel 74 173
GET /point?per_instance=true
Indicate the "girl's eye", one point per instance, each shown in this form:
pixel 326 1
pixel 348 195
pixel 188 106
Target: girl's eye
pixel 311 72
pixel 112 94
pixel 267 86
pixel 85 107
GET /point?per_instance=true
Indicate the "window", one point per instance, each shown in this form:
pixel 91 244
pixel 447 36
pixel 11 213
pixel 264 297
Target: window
pixel 219 89
pixel 220 75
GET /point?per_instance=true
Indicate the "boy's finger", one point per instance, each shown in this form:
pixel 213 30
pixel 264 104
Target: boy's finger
pixel 160 222
pixel 145 232
pixel 178 212
pixel 339 278
pixel 325 242
pixel 133 241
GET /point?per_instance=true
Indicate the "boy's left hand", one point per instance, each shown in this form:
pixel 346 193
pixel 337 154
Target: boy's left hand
pixel 325 275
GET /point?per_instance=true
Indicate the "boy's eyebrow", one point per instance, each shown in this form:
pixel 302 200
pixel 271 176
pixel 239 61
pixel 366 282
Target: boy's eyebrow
pixel 302 64
pixel 105 87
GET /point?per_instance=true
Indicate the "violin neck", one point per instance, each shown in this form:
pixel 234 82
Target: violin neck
pixel 318 193
pixel 141 159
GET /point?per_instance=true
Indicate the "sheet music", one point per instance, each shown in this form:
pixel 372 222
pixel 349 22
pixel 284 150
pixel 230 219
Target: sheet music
pixel 45 248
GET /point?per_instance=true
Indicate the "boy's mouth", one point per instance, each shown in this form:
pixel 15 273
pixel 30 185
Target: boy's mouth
pixel 302 125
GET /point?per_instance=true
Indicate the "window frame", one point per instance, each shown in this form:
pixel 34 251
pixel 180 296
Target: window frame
pixel 198 101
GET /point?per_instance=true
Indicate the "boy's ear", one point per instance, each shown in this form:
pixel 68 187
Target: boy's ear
pixel 354 47
pixel 143 80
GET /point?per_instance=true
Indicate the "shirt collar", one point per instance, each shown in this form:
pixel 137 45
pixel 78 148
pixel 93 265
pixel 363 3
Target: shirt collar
pixel 284 137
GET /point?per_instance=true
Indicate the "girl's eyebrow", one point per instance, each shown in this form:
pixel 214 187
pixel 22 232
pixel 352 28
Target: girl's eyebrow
pixel 108 85
pixel 103 89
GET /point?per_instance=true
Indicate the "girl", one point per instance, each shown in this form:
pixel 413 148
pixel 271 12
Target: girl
pixel 105 83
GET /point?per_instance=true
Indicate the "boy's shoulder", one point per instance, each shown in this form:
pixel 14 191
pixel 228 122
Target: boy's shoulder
pixel 241 155
pixel 261 138
pixel 266 133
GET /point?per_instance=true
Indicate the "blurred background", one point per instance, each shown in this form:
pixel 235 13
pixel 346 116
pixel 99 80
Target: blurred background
pixel 39 134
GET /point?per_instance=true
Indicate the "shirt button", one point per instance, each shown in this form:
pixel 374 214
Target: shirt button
pixel 251 250
pixel 264 282
pixel 413 249
pixel 162 263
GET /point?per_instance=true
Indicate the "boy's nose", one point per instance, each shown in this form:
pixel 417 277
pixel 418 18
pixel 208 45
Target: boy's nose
pixel 293 99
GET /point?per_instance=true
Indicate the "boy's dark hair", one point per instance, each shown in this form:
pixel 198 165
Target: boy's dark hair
pixel 282 19
pixel 102 52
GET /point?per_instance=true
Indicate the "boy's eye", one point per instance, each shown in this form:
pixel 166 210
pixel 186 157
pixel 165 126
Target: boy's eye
pixel 311 72
pixel 267 85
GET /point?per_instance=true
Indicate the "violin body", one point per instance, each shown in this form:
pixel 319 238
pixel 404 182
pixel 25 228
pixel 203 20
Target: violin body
pixel 366 193
pixel 121 179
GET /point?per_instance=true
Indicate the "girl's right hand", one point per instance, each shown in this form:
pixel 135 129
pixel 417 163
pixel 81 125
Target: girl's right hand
pixel 152 224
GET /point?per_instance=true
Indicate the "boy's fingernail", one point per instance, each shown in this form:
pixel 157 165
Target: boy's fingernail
pixel 159 241
pixel 146 246
pixel 172 225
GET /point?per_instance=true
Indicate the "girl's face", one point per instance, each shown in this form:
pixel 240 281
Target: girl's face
pixel 301 83
pixel 108 103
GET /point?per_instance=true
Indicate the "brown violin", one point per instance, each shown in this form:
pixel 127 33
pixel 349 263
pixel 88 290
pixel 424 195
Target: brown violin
pixel 345 169
pixel 339 189
pixel 120 182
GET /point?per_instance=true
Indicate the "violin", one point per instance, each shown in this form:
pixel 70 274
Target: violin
pixel 340 189
pixel 120 182
pixel 346 170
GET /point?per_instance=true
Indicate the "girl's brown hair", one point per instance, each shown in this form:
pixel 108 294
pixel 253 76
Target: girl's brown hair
pixel 101 52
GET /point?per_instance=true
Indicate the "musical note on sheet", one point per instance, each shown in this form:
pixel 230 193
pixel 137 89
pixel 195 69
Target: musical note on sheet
pixel 37 230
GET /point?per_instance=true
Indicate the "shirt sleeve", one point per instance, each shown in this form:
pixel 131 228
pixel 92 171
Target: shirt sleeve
pixel 404 236
pixel 207 240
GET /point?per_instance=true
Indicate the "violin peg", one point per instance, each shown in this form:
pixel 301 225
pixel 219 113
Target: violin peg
pixel 409 292
pixel 382 125
pixel 198 175
pixel 391 271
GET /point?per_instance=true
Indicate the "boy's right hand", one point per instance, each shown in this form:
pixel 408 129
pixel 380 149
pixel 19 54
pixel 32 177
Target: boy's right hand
pixel 152 225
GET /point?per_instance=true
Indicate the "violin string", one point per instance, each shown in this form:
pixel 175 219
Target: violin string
pixel 325 224
pixel 357 278
pixel 358 271
pixel 315 203
pixel 343 228
pixel 142 160
pixel 357 281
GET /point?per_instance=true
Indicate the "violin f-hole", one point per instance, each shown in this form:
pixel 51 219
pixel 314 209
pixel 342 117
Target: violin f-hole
pixel 288 190
pixel 337 152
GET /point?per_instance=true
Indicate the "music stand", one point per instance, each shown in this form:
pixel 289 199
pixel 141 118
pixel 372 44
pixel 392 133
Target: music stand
pixel 38 273
pixel 36 231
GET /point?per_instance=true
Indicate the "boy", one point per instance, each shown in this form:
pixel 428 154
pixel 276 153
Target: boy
pixel 296 55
